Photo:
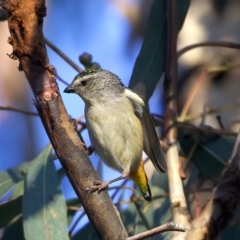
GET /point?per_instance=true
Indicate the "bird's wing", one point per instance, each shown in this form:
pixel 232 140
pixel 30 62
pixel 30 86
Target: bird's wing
pixel 151 145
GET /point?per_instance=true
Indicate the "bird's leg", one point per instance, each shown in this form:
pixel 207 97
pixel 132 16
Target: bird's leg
pixel 89 150
pixel 99 186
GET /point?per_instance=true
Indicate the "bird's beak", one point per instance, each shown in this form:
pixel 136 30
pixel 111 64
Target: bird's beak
pixel 69 89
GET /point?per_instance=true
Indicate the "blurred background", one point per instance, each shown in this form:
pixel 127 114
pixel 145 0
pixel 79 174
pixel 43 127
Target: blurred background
pixel 112 31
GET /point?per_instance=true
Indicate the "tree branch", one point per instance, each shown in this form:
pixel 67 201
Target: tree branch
pixel 171 226
pixel 25 25
pixel 177 197
pixel 208 44
pixel 157 122
pixel 62 55
pixel 9 108
pixel 227 196
pixel 220 209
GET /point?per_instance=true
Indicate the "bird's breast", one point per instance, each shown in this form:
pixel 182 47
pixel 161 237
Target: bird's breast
pixel 116 134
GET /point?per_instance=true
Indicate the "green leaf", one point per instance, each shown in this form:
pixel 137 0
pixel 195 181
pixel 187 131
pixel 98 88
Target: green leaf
pixel 149 65
pixel 44 208
pixel 211 154
pixel 12 176
pixel 10 210
pixel 18 190
pixel 14 230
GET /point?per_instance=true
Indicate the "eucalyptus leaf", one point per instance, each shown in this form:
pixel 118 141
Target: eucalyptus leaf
pixel 14 230
pixel 44 208
pixel 11 176
pixel 149 65
pixel 18 190
pixel 10 210
pixel 211 154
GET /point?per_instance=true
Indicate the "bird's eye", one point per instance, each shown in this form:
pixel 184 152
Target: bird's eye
pixel 83 83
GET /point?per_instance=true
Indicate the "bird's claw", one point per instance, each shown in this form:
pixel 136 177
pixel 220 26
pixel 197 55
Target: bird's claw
pixel 74 124
pixel 99 186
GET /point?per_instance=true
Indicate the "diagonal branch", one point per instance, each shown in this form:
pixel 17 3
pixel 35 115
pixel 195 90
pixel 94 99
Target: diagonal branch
pixel 220 209
pixel 62 55
pixel 171 226
pixel 25 25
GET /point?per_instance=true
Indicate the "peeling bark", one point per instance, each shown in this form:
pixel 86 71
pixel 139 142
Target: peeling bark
pixel 25 26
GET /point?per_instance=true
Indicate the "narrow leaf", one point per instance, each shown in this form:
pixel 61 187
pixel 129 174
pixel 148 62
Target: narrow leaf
pixel 14 230
pixel 18 190
pixel 9 211
pixel 11 176
pixel 44 209
pixel 211 154
pixel 149 65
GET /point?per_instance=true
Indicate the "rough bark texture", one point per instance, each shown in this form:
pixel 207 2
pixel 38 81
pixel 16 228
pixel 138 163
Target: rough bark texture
pixel 25 25
pixel 218 212
pixel 226 198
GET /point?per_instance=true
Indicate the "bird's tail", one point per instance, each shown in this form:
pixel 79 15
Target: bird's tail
pixel 140 178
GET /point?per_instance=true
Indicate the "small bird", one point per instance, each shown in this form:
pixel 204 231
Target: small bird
pixel 119 126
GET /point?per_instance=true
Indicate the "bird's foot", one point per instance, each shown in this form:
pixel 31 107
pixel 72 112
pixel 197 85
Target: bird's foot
pixel 99 186
pixel 74 124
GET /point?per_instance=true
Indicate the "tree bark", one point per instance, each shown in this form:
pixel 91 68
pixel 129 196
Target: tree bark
pixel 25 25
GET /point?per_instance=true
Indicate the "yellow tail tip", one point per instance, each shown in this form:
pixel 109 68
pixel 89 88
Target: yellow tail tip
pixel 140 178
pixel 147 195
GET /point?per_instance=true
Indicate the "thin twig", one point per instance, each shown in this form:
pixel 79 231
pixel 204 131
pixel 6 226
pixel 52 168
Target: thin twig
pixel 193 91
pixel 60 78
pixel 192 117
pixel 76 223
pixel 117 190
pixel 171 226
pixel 190 154
pixel 219 119
pixel 72 208
pixel 123 187
pixel 142 215
pixel 198 205
pixel 208 44
pixel 200 80
pixel 187 126
pixel 9 108
pixel 206 130
pixel 141 199
pixel 63 55
pixel 158 122
pixel 156 197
